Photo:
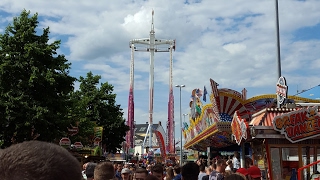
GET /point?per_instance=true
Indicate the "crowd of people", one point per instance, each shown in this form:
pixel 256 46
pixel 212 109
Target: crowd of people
pixel 224 168
pixel 46 161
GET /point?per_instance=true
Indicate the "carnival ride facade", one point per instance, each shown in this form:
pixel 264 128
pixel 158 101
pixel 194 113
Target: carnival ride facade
pixel 210 124
pixel 151 45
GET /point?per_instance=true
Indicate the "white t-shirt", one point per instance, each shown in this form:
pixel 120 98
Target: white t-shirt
pixel 236 163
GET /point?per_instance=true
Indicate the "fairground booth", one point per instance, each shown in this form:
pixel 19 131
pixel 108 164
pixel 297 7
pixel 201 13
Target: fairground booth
pixel 279 133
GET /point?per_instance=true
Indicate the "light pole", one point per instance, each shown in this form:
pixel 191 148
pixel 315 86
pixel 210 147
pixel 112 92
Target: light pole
pixel 181 157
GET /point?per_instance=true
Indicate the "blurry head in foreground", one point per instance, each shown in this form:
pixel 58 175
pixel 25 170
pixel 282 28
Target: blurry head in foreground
pixel 38 160
pixel 104 171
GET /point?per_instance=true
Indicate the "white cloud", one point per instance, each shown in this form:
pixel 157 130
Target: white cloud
pixel 234 48
pixel 233 43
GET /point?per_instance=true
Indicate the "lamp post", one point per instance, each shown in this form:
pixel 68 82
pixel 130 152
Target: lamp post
pixel 181 156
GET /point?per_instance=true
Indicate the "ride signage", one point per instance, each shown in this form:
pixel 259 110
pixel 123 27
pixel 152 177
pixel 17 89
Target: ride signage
pixel 298 125
pixel 239 128
pixel 282 90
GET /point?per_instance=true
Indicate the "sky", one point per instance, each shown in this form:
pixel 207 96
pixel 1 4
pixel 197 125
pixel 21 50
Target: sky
pixel 232 42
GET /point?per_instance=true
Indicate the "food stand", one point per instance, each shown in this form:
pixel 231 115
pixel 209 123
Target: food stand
pixel 285 136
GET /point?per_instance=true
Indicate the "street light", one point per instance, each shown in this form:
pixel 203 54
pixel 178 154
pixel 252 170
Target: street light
pixel 181 158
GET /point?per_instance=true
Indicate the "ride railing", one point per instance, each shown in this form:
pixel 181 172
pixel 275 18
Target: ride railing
pixel 305 167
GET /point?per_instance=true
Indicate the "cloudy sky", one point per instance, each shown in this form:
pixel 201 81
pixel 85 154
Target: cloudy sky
pixel 232 42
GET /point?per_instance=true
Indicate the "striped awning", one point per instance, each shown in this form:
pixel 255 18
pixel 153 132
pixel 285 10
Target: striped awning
pixel 266 116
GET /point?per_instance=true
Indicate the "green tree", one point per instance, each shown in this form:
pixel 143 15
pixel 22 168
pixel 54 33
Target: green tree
pixel 34 84
pixel 97 106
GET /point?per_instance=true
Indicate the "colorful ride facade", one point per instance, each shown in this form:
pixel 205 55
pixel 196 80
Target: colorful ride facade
pixel 230 119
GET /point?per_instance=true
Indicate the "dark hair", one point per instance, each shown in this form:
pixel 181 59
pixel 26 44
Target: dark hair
pixel 202 167
pixel 90 169
pixel 157 168
pixel 38 160
pixel 151 177
pixel 104 170
pixel 169 173
pixel 190 171
pixel 235 176
pixel 177 169
pixel 141 170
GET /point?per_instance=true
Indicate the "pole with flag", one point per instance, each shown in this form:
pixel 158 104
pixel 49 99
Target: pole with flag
pixel 205 94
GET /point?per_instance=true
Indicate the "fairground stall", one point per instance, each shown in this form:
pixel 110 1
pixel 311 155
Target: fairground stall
pixel 278 132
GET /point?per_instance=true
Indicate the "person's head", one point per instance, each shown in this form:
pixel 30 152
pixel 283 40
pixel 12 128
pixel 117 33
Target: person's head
pixel 208 170
pixel 221 165
pixel 119 167
pixel 286 171
pixel 235 177
pixel 115 166
pixel 254 172
pixel 157 170
pixel 236 154
pixel 125 173
pixel 148 168
pixel 243 171
pixel 169 173
pixel 84 166
pixel 213 166
pixel 104 170
pixel 190 171
pixel 176 169
pixel 151 177
pixel 90 170
pixel 248 162
pixel 140 174
pixel 229 163
pixel 38 160
pixel 202 168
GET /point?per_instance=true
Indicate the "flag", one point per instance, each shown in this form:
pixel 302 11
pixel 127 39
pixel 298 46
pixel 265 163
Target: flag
pixel 205 94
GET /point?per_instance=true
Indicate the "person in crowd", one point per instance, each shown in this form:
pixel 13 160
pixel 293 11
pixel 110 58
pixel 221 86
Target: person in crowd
pixel 243 171
pixel 104 170
pixel 286 173
pixel 148 168
pixel 190 171
pixel 248 162
pixel 217 174
pixel 38 160
pixel 213 166
pixel 140 174
pixel 90 170
pixel 202 173
pixel 177 172
pixel 84 166
pixel 229 165
pixel 125 174
pixel 118 171
pixel 227 173
pixel 208 172
pixel 254 173
pixel 236 160
pixel 151 177
pixel 235 176
pixel 169 174
pixel 157 170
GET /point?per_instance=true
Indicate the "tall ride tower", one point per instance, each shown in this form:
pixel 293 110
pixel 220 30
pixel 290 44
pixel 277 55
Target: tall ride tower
pixel 151 45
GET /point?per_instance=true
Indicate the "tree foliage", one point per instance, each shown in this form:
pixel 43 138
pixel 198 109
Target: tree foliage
pixel 34 83
pixel 95 105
